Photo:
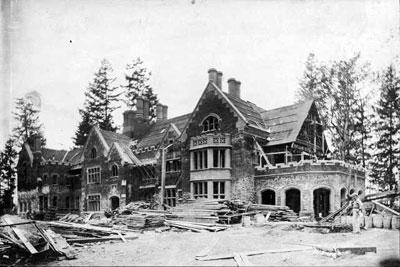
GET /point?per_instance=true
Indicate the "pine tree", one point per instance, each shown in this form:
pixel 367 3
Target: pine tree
pixel 101 97
pixel 387 128
pixel 7 174
pixel 27 117
pixel 149 94
pixel 137 78
pixel 83 130
pixel 336 91
pixel 316 85
pixel 362 135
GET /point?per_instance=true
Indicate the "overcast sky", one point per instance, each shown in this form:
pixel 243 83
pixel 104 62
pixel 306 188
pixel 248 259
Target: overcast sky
pixel 56 46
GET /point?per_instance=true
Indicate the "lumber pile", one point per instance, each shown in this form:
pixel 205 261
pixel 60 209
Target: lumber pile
pixel 196 227
pixel 24 239
pixel 277 213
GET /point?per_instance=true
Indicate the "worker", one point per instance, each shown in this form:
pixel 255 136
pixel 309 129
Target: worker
pixel 357 207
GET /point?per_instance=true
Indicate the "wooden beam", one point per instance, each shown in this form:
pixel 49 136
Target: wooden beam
pixel 13 224
pixel 22 237
pixel 385 207
pixel 251 253
pixel 98 239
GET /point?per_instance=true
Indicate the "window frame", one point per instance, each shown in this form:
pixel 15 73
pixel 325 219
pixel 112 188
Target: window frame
pixel 211 123
pixel 88 201
pixel 93 153
pixel 219 191
pixel 114 167
pixel 88 175
pixel 200 189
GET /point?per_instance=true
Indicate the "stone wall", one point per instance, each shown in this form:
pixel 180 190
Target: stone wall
pixel 308 177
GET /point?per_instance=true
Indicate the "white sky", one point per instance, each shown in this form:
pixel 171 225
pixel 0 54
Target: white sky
pixel 264 44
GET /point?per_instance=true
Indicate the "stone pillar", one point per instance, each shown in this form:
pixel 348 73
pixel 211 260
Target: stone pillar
pixel 210 189
pixel 228 190
pixel 191 189
pixel 227 158
pixel 191 160
pixel 210 158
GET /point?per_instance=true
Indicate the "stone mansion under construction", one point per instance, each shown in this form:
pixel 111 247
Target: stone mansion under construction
pixel 227 148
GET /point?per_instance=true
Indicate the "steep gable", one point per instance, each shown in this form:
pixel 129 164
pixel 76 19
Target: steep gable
pixel 285 122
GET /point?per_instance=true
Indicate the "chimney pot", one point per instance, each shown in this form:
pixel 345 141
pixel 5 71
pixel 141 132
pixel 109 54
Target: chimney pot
pixel 234 87
pixel 219 79
pixel 165 112
pixel 212 75
pixel 160 112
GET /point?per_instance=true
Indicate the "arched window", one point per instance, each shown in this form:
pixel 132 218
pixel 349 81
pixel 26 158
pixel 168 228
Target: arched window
pixel 211 123
pixel 93 153
pixel 114 170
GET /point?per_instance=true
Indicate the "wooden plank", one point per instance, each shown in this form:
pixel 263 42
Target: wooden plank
pixel 98 239
pixel 358 250
pixel 238 259
pixel 386 208
pixel 210 246
pixel 251 253
pixel 14 224
pixel 267 216
pixel 122 238
pixel 21 236
pixel 245 260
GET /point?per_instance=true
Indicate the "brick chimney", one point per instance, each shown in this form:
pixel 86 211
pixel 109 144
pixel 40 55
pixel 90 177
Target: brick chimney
pixel 37 144
pixel 139 107
pixel 234 87
pixel 165 112
pixel 129 123
pixel 219 79
pixel 146 109
pixel 160 112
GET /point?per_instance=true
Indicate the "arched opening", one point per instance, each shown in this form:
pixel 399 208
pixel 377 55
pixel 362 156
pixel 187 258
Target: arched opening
pixel 321 202
pixel 293 199
pixel 268 197
pixel 114 202
pixel 360 192
pixel 342 196
pixel 351 191
pixel 114 170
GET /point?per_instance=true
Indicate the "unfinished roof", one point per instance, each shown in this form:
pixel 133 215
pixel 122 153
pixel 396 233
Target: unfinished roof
pixel 73 156
pixel 158 130
pixel 53 154
pixel 285 122
pixel 111 137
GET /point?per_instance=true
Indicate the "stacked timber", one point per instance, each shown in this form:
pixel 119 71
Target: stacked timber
pixel 277 213
pixel 201 211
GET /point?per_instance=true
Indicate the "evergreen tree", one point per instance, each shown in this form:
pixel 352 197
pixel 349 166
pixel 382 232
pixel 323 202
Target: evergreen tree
pixel 336 91
pixel 83 130
pixel 7 174
pixel 362 132
pixel 149 94
pixel 316 84
pixel 101 97
pixel 137 78
pixel 27 117
pixel 387 128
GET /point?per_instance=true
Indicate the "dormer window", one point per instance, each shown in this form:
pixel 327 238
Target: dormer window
pixel 211 123
pixel 93 153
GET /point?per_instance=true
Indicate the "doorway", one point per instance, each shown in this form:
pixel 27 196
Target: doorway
pixel 268 197
pixel 114 202
pixel 293 199
pixel 321 202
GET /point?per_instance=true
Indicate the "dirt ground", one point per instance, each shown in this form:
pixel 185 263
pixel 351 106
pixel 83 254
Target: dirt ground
pixel 180 248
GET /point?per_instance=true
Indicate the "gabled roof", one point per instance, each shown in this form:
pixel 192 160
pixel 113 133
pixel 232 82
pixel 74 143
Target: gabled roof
pixel 285 122
pixel 73 156
pixel 53 154
pixel 111 137
pixel 159 130
pixel 249 110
